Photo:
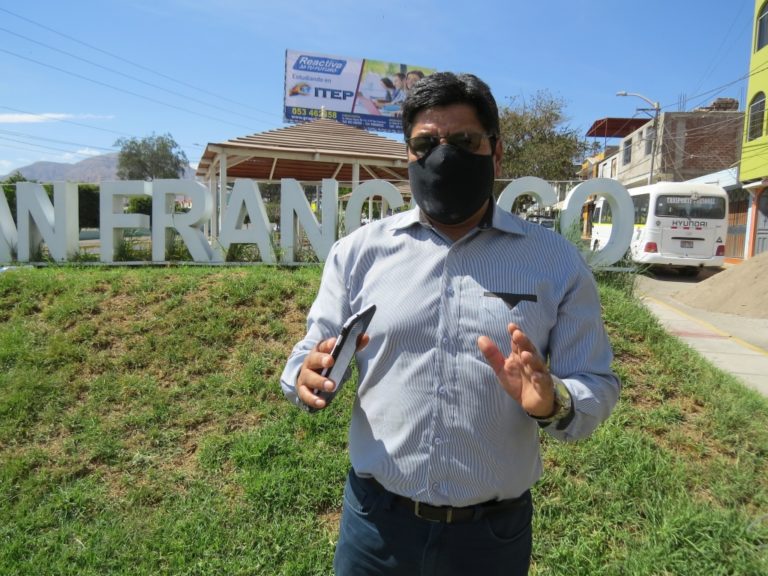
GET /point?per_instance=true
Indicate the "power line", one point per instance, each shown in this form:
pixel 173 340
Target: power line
pixel 67 121
pixel 136 64
pixel 82 125
pixel 129 76
pixel 720 51
pixel 714 126
pixel 35 150
pixel 30 136
pixel 758 70
pixel 671 161
pixel 42 146
pixel 755 151
pixel 129 92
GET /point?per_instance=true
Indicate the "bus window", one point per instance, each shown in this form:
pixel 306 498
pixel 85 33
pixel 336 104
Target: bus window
pixel 605 214
pixel 641 202
pixel 596 213
pixel 704 207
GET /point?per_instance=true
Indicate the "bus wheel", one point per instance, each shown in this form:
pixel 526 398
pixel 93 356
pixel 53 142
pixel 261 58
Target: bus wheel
pixel 689 271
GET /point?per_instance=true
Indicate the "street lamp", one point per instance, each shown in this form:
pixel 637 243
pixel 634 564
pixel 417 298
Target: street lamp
pixel 656 110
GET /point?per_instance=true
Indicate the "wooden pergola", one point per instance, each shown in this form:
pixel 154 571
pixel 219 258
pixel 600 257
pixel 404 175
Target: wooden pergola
pixel 308 152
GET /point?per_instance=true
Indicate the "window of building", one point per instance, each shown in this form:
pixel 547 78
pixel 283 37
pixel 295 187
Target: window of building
pixel 756 116
pixel 650 135
pixel 762 27
pixel 627 157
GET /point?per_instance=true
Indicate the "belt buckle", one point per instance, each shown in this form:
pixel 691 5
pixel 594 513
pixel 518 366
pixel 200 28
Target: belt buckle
pixel 417 512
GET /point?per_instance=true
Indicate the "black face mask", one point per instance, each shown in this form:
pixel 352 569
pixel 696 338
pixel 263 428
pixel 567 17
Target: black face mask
pixel 450 184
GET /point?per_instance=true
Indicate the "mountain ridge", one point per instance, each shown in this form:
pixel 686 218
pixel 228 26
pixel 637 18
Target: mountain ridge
pixel 89 171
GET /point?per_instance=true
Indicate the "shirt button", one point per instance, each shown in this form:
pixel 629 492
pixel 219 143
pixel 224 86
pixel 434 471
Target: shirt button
pixel 438 441
pixel 449 291
pixel 435 487
pixel 441 390
pixel 445 340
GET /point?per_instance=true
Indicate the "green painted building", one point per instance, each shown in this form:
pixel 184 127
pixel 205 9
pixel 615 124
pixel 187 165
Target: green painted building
pixel 753 170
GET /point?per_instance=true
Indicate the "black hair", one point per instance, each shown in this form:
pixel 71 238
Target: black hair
pixel 387 82
pixel 446 88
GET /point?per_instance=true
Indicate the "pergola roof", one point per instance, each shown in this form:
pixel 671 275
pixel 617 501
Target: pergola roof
pixel 308 152
pixel 615 127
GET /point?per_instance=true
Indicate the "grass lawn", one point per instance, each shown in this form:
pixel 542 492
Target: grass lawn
pixel 143 431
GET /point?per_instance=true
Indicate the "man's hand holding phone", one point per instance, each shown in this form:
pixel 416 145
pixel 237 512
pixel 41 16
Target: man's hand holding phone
pixel 311 381
pixel 323 370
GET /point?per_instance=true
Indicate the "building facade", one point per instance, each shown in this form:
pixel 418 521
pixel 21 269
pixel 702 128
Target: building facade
pixel 689 145
pixel 703 145
pixel 754 157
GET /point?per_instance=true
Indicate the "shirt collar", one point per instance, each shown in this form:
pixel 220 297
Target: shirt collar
pixel 495 217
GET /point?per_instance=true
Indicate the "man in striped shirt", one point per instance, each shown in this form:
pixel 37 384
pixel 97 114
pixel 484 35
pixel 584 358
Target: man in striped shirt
pixel 487 330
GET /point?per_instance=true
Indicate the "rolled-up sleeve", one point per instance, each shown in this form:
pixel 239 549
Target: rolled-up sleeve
pixel 580 355
pixel 326 316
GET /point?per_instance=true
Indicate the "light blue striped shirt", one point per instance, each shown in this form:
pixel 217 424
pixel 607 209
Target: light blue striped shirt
pixel 430 420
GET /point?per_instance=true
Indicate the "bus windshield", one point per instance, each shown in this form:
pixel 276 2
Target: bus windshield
pixel 704 207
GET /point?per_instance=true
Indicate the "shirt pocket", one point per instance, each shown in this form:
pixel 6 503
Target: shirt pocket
pixel 510 299
pixel 499 307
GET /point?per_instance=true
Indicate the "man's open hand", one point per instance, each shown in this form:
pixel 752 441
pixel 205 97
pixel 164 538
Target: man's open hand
pixel 523 374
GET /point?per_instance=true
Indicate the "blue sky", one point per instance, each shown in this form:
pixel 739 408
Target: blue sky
pixel 76 76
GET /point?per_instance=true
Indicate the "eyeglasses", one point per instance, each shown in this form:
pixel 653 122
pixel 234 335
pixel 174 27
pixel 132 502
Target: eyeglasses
pixel 469 141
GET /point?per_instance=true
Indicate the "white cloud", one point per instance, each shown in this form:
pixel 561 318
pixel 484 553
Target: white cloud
pixel 67 158
pixel 71 157
pixel 22 118
pixel 6 166
pixel 33 118
pixel 89 152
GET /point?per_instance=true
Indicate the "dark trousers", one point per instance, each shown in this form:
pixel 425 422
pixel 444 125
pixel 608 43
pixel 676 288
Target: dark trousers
pixel 379 537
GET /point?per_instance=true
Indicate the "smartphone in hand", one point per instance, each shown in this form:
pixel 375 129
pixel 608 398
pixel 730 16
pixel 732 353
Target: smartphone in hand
pixel 344 350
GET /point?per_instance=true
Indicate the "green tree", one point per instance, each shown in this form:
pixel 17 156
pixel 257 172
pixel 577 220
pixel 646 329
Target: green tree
pixel 149 158
pixel 88 199
pixel 536 140
pixel 88 205
pixel 140 205
pixel 9 189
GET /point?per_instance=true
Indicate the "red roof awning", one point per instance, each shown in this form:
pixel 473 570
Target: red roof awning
pixel 615 127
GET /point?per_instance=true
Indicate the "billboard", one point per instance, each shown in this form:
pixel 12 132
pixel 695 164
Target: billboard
pixel 364 93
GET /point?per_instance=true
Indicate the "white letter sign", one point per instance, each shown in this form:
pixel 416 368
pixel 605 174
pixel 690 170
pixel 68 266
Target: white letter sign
pixel 39 221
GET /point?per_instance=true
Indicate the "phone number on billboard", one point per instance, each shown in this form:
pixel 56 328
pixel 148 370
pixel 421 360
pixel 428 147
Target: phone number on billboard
pixel 313 113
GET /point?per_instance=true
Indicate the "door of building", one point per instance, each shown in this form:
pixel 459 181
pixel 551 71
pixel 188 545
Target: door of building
pixel 738 204
pixel 761 233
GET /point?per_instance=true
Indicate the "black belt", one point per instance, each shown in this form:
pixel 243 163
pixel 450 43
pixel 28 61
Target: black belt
pixel 449 514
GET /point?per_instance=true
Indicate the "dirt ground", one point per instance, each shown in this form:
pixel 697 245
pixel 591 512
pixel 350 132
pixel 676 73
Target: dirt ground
pixel 740 289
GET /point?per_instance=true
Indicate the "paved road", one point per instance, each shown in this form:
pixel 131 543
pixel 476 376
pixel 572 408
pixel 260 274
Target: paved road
pixel 735 344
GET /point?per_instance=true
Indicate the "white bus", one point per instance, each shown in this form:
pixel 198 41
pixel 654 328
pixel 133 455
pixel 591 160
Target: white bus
pixel 677 225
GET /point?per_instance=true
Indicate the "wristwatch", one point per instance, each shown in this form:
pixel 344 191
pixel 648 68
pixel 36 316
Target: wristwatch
pixel 564 410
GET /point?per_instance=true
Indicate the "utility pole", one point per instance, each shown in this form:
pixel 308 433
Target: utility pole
pixel 656 111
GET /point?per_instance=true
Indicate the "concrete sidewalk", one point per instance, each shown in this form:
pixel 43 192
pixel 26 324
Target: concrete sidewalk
pixel 734 344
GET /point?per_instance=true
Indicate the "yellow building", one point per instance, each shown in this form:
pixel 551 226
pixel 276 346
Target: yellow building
pixel 754 156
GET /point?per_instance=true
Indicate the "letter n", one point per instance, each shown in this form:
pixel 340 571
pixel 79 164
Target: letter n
pixel 39 221
pixel 9 237
pixel 295 210
pixel 246 200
